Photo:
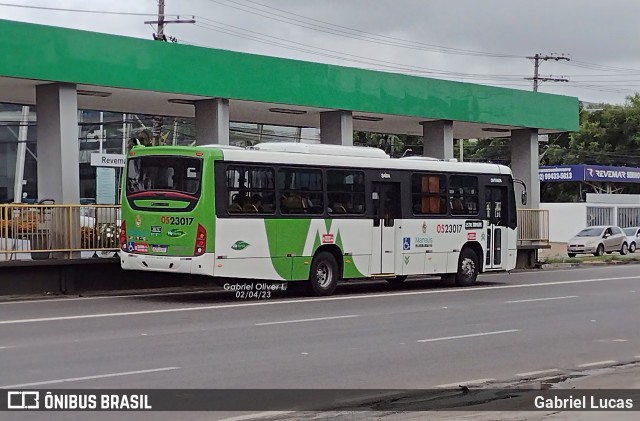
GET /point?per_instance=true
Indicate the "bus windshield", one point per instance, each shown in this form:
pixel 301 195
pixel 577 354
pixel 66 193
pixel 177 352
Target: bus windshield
pixel 148 175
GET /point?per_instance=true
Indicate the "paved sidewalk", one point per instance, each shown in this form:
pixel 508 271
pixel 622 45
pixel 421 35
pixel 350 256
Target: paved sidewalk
pixel 619 377
pixel 623 377
pixel 556 250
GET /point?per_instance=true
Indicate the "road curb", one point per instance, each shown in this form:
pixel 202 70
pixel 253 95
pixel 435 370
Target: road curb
pixel 587 264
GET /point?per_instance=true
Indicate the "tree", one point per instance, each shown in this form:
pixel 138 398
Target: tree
pixel 608 135
pixel 496 150
pixel 394 145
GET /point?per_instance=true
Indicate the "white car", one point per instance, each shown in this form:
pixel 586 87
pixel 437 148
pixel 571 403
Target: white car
pixel 633 237
pixel 598 240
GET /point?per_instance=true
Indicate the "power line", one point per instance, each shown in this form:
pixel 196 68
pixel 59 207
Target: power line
pixel 59 9
pixel 368 36
pixel 326 27
pixel 268 39
pixel 586 65
pixel 408 69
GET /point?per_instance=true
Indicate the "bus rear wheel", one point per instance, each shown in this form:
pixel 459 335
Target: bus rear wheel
pixel 468 268
pixel 324 274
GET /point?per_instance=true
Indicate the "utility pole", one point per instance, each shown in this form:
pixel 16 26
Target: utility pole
pixel 536 69
pixel 161 36
pixel 162 22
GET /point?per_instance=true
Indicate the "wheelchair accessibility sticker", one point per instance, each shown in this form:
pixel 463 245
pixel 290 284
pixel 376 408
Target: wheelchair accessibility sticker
pixel 406 243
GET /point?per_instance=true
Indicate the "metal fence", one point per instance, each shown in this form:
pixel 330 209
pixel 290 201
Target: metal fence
pixel 61 231
pixel 533 226
pixel 628 216
pixel 600 215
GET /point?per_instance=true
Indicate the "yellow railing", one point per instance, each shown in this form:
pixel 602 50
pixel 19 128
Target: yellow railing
pixel 533 226
pixel 63 231
pixel 70 231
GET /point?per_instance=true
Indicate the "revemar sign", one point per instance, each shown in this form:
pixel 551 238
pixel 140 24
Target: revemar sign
pixel 107 160
pixel 584 172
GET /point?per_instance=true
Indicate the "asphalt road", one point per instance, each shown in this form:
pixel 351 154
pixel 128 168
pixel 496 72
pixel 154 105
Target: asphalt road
pixel 420 335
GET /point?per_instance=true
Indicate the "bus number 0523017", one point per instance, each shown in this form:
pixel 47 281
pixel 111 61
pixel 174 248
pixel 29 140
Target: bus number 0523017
pixel 175 220
pixel 448 228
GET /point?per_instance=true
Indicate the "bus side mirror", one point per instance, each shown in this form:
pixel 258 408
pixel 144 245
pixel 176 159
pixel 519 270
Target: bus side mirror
pixel 523 196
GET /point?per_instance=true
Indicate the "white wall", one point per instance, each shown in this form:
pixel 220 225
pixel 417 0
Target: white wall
pixel 565 220
pixel 621 199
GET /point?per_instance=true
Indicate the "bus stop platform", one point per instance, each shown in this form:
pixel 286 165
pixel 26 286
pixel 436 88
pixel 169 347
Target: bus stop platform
pixel 74 276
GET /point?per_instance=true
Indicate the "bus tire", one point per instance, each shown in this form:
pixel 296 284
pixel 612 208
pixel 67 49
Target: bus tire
pixel 447 279
pixel 468 268
pixel 398 280
pixel 324 274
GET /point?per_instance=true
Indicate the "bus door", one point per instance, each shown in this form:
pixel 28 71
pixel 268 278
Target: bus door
pixel 496 208
pixel 386 202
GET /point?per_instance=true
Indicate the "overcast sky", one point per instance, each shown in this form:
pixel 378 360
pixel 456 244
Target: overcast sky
pixel 479 41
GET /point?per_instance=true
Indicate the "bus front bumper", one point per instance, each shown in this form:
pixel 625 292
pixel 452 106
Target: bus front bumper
pixel 200 265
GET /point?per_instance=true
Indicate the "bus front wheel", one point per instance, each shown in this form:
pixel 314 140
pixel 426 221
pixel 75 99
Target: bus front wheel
pixel 468 268
pixel 324 274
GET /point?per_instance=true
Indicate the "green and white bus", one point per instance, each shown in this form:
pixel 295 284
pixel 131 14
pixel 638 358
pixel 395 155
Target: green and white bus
pixel 315 214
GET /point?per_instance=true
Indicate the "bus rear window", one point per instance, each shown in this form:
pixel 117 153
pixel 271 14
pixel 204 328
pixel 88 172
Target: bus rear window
pixel 164 173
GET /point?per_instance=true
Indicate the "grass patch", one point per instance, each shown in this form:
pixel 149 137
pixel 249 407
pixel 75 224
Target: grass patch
pixel 591 259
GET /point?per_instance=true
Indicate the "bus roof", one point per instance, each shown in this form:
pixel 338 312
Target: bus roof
pixel 321 149
pixel 327 155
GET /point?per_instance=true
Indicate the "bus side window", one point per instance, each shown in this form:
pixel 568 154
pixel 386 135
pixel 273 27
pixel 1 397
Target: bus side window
pixel 428 192
pixel 301 191
pixel 463 194
pixel 345 191
pixel 250 189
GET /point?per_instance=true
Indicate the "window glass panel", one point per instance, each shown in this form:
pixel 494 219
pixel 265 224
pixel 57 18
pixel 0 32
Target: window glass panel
pixel 463 195
pixel 164 173
pixel 429 194
pixel 300 191
pixel 345 191
pixel 250 189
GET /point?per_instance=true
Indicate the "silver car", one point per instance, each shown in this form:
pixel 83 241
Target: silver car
pixel 633 238
pixel 598 240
